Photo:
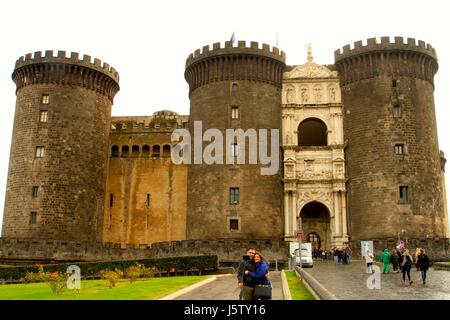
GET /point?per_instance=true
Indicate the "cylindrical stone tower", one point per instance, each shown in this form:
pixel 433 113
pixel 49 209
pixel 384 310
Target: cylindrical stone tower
pixel 235 88
pixel 392 155
pixel 59 152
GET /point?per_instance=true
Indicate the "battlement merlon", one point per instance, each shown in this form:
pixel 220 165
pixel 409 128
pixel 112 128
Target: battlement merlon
pixel 242 48
pixel 385 44
pixel 61 57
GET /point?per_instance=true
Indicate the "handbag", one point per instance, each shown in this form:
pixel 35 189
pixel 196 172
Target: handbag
pixel 263 292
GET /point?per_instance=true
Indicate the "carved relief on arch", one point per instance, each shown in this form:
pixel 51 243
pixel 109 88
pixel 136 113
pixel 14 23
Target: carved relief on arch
pixel 332 93
pixel 318 94
pixel 289 94
pixel 304 94
pixel 305 197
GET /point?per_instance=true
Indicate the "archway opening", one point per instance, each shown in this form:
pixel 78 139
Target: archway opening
pixel 315 222
pixel 312 132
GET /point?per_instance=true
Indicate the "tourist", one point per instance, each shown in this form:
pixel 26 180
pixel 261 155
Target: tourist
pixel 386 259
pixel 416 255
pixel 406 266
pixel 423 262
pixel 259 275
pixel 400 257
pixel 369 261
pixel 245 283
pixel 336 255
pixel 349 254
pixel 394 260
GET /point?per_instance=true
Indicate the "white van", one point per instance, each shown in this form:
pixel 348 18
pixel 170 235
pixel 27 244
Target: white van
pixel 307 260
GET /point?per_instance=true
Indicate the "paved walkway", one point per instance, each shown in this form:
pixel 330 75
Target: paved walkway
pixel 349 282
pixel 225 288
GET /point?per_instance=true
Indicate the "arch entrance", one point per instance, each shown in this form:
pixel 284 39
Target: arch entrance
pixel 314 219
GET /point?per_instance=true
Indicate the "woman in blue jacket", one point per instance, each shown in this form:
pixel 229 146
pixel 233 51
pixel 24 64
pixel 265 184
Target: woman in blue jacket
pixel 261 271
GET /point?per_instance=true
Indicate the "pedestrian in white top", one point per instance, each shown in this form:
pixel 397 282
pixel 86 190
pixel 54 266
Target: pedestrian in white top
pixel 369 261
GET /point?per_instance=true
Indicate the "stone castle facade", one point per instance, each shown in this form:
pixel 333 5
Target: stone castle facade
pixel 359 154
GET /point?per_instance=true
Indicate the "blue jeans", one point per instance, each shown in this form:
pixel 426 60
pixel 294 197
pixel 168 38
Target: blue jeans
pixel 424 275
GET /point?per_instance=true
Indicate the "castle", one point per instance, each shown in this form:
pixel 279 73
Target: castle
pixel 358 145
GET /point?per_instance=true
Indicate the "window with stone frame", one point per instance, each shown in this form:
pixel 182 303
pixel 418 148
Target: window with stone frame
pixel 397 110
pixel 33 217
pixel 404 197
pixel 111 200
pixel 234 224
pixel 40 152
pixel 234 112
pixel 399 149
pixel 34 191
pixel 45 99
pixel 43 116
pixel 234 195
pixel 234 150
pixel 147 202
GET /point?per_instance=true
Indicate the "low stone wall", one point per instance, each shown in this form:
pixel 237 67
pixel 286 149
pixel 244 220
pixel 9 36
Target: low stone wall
pixel 437 249
pixel 228 250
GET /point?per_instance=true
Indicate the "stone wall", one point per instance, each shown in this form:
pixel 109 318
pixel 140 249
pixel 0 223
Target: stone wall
pixel 146 192
pixel 228 250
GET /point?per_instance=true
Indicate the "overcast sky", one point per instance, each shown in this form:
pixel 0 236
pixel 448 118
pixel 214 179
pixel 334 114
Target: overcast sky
pixel 147 42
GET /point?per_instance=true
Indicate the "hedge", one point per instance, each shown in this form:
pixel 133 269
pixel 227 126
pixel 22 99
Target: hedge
pixel 94 268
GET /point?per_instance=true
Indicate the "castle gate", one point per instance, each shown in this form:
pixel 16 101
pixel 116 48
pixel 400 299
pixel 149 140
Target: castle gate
pixel 314 220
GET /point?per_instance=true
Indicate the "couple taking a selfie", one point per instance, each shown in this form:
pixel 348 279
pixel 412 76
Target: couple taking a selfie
pixel 253 277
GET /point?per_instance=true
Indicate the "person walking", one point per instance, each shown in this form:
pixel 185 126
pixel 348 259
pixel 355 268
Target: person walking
pixel 423 262
pixel 259 276
pixel 386 259
pixel 416 256
pixel 394 260
pixel 400 258
pixel 336 255
pixel 245 283
pixel 369 261
pixel 406 264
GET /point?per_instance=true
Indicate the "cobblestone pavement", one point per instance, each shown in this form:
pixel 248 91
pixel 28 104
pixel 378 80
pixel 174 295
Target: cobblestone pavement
pixel 349 282
pixel 225 288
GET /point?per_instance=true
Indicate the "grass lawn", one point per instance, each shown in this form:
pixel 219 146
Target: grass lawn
pixel 297 288
pixel 142 289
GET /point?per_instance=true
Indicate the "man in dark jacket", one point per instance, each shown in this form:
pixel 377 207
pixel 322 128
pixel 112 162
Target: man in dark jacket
pixel 246 283
pixel 423 263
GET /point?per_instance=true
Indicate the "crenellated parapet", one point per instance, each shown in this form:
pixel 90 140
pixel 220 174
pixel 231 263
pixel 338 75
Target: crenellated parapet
pixel 46 68
pixel 160 121
pixel 377 58
pixel 228 63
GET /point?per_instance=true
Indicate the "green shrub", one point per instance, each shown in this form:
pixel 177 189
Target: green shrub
pixel 111 276
pixel 134 272
pixel 94 268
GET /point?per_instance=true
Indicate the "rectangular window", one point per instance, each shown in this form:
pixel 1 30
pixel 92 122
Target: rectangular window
pixel 43 114
pixel 234 195
pixel 397 111
pixel 35 191
pixel 403 194
pixel 111 200
pixel 45 99
pixel 234 224
pixel 234 150
pixel 234 112
pixel 39 152
pixel 33 217
pixel 147 202
pixel 399 149
pixel 394 83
